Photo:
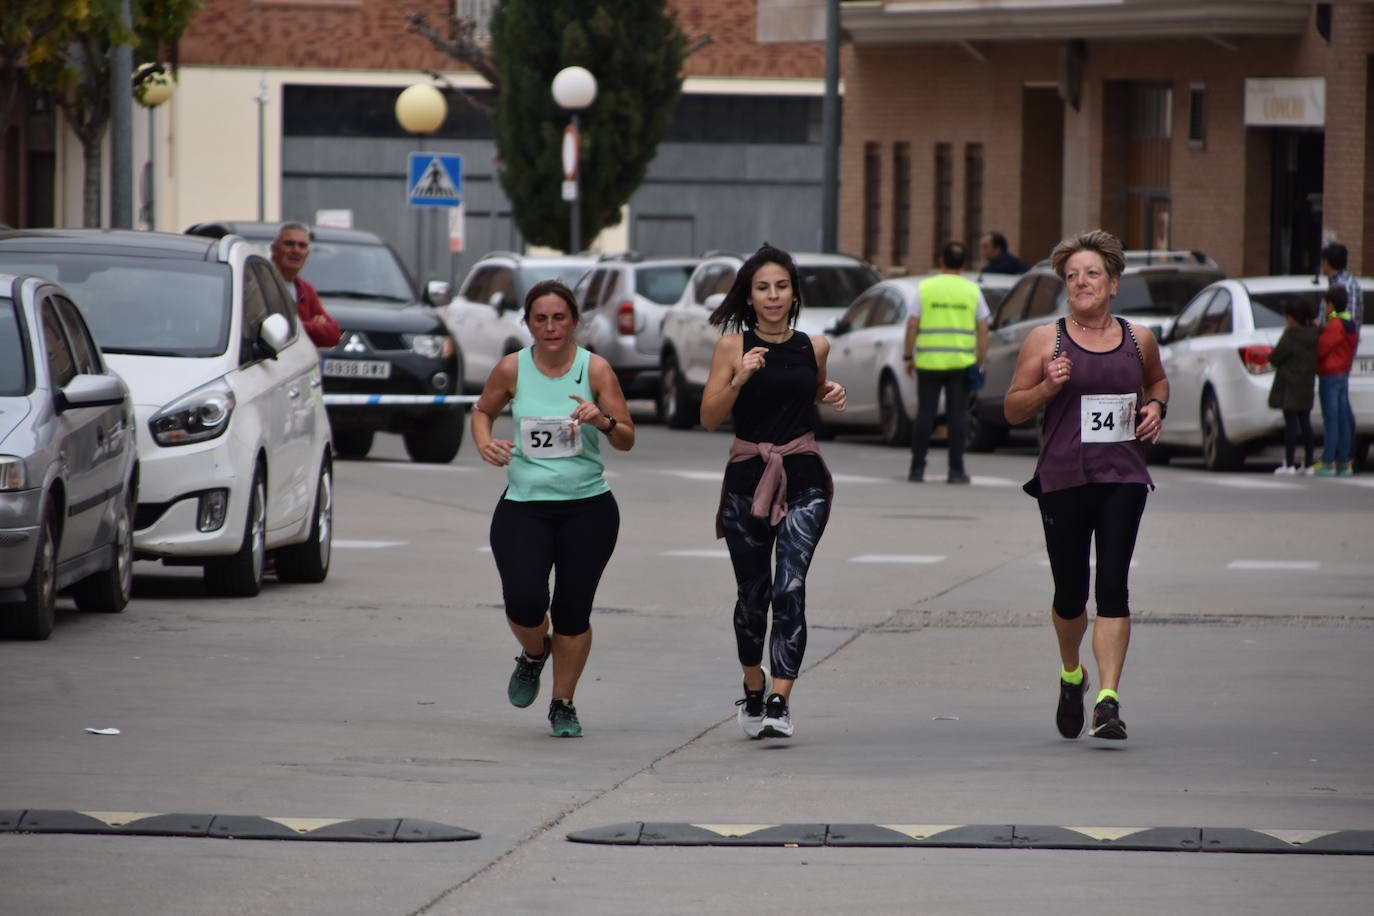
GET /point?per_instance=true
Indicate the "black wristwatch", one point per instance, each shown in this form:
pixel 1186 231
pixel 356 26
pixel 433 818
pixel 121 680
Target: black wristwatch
pixel 607 430
pixel 1163 407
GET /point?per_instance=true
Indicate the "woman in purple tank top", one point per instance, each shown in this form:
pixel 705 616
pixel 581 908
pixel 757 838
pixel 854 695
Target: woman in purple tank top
pixel 1101 385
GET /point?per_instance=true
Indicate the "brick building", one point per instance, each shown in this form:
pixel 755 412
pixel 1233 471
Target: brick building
pixel 1242 129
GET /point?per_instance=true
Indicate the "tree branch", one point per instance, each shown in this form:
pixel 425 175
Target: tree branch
pixel 462 46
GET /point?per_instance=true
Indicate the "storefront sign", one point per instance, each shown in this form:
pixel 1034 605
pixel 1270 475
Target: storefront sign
pixel 1285 102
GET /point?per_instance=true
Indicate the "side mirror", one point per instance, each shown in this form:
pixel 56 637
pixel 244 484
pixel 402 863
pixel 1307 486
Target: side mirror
pixel 438 292
pixel 713 301
pixel 91 391
pixel 273 334
pixel 839 328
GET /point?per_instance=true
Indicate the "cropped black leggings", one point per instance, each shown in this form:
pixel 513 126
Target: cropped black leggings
pixel 752 542
pixel 574 539
pixel 1072 518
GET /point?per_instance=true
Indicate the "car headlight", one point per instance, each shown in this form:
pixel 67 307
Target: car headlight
pixel 12 473
pixel 433 346
pixel 202 414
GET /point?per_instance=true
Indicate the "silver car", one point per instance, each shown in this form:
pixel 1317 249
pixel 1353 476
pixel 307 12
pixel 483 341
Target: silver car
pixel 68 466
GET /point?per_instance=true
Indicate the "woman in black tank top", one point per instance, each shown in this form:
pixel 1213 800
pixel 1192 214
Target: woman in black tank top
pixel 769 377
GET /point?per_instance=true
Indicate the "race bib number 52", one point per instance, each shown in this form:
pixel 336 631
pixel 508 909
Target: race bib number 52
pixel 549 437
pixel 1107 418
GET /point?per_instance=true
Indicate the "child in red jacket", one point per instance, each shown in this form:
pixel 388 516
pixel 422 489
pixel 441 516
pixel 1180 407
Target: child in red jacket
pixel 1335 355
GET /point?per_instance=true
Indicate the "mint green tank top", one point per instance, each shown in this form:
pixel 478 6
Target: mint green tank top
pixel 552 458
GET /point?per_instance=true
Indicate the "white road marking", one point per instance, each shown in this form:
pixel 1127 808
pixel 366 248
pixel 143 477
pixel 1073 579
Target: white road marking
pixel 981 481
pixel 711 554
pixel 417 466
pixel 484 549
pixel 1356 481
pixel 1245 483
pixel 365 545
pixel 897 558
pixel 1093 560
pixel 857 478
pixel 694 475
pixel 1274 564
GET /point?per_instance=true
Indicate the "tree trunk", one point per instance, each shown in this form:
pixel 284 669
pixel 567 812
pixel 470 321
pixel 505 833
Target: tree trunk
pixel 90 182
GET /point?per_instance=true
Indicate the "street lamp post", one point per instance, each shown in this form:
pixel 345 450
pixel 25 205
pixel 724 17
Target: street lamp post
pixel 574 88
pixel 420 110
pixel 152 87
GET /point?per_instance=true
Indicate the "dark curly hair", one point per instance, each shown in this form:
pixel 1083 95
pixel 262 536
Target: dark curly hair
pixel 557 288
pixel 735 313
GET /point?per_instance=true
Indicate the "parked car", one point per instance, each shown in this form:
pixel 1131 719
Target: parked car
pixel 1149 294
pixel 68 463
pixel 867 346
pixel 1217 360
pixel 393 341
pixel 828 283
pixel 623 299
pixel 487 316
pixel 233 439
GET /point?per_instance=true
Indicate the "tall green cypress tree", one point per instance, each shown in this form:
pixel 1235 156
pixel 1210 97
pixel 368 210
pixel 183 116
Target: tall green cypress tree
pixel 635 50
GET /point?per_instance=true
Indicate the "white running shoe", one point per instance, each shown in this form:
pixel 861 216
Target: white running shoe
pixel 1286 470
pixel 777 718
pixel 750 715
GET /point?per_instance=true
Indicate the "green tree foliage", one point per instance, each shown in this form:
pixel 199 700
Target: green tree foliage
pixel 635 50
pixel 65 45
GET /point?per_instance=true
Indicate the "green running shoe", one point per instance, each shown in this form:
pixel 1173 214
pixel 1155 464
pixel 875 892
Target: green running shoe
pixel 524 680
pixel 563 719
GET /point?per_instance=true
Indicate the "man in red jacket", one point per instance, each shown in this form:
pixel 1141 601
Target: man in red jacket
pixel 289 251
pixel 1335 354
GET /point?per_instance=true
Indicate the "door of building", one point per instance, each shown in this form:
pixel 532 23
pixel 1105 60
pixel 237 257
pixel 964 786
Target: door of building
pixel 1295 222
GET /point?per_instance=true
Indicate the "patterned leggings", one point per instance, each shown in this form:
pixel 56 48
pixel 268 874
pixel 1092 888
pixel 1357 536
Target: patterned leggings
pixel 751 541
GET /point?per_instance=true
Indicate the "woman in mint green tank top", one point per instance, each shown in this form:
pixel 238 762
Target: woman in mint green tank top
pixel 557 514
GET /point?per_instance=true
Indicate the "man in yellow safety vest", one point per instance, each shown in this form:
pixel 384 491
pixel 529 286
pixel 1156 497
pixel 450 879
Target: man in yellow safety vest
pixel 946 342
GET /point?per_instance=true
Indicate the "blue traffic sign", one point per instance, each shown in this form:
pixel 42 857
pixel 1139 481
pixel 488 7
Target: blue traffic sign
pixel 434 180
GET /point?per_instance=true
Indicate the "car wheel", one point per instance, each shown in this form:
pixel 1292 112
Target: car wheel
pixel 678 407
pixel 109 590
pixel 353 443
pixel 34 615
pixel 893 422
pixel 240 575
pixel 981 435
pixel 309 561
pixel 1218 452
pixel 439 442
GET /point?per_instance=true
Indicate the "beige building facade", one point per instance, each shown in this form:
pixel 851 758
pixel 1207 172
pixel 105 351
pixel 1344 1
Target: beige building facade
pixel 1240 129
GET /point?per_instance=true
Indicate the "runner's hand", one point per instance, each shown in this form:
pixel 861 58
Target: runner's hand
pixel 496 451
pixel 586 412
pixel 748 364
pixel 834 394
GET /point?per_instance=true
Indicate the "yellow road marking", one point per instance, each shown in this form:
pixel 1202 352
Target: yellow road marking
pixel 921 831
pixel 307 824
pixel 1107 833
pixel 118 818
pixel 1296 837
pixel 734 829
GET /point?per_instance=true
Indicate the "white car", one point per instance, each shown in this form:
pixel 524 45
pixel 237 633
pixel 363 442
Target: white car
pixel 866 356
pixel 1217 360
pixel 487 317
pixel 828 282
pixel 623 300
pixel 233 439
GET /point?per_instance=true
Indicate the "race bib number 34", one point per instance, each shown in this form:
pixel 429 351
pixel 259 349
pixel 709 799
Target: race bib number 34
pixel 549 437
pixel 1107 418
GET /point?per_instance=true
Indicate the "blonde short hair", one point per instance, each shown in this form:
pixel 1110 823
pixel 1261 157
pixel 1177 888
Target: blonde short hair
pixel 1106 245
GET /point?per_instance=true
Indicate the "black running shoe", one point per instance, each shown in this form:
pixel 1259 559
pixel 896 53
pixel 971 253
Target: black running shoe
pixel 1069 715
pixel 777 718
pixel 1107 720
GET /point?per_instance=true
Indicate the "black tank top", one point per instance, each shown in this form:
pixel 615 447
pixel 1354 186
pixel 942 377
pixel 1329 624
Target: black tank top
pixel 777 405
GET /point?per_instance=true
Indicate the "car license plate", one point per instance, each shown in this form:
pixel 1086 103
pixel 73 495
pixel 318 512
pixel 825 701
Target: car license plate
pixel 1363 366
pixel 357 368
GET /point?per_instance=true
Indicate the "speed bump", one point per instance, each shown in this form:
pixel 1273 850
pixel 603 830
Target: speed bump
pixel 234 826
pixel 985 836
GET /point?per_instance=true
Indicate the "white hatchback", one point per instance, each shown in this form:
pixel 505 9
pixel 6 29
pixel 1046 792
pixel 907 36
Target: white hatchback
pixel 1217 360
pixel 233 439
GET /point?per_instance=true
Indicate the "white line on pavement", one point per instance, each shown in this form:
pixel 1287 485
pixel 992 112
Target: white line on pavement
pixel 416 466
pixel 1245 483
pixel 711 554
pixel 897 558
pixel 694 475
pixel 1093 560
pixel 1274 564
pixel 365 545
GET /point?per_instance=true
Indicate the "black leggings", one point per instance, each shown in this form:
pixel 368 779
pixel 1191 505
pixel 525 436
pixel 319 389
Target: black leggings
pixel 574 538
pixel 1071 517
pixel 752 542
pixel 1295 421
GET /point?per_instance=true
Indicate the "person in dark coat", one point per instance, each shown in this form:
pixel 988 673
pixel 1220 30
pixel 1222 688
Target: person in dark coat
pixel 1294 359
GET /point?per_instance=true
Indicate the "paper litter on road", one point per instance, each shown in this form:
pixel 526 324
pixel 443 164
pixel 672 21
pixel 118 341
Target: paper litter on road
pixel 103 731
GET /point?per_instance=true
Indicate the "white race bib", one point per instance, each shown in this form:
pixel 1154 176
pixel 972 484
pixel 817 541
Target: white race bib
pixel 549 437
pixel 1107 417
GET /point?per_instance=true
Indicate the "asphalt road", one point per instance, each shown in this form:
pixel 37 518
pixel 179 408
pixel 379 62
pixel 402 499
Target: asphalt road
pixel 928 698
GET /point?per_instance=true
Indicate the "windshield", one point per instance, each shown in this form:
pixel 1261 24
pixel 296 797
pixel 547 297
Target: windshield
pixel 357 271
pixel 13 362
pixel 149 306
pixel 663 285
pixel 1159 293
pixel 994 296
pixel 1268 307
pixel 833 287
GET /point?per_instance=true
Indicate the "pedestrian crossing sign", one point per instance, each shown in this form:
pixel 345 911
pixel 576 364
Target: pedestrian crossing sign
pixel 434 180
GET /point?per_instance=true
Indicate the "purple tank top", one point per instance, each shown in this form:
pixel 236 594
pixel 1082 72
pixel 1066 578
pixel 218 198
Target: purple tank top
pixel 1065 459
